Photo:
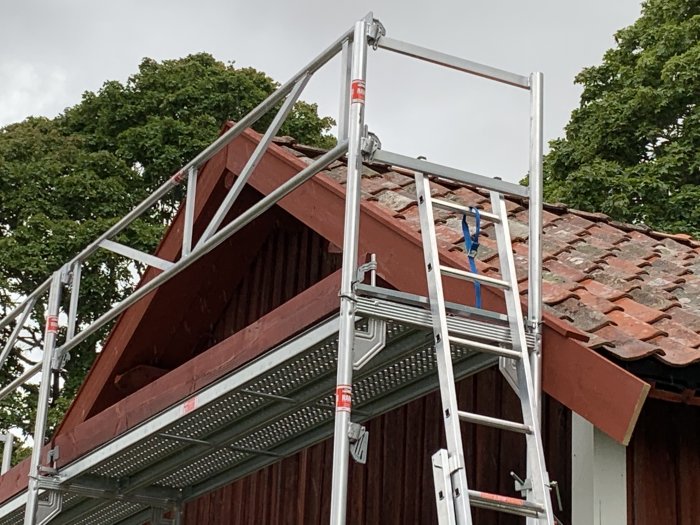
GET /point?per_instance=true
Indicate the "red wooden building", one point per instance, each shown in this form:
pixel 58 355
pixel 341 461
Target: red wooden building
pixel 621 354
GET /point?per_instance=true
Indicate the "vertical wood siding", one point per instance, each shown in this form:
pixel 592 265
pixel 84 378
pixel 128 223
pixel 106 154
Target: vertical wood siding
pixel 290 260
pixel 663 466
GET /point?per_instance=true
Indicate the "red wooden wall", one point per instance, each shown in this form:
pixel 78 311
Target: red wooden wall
pixel 663 466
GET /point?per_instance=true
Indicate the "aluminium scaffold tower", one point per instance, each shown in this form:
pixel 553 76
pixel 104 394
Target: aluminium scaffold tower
pixel 152 490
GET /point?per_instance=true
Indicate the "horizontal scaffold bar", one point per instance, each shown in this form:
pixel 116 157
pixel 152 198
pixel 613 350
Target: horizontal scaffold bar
pixel 460 64
pixel 466 177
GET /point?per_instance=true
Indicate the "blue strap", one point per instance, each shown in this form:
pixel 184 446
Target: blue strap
pixel 471 243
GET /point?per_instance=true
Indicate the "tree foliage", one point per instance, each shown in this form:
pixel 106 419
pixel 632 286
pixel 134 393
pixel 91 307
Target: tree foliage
pixel 64 181
pixel 632 148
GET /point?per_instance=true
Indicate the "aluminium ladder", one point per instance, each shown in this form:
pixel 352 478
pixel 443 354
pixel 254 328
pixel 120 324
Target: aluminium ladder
pixel 452 493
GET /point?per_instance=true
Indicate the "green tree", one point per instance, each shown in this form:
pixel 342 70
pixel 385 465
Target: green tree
pixel 64 181
pixel 632 148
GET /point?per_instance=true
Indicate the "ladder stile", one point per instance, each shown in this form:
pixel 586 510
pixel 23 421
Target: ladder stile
pixel 526 390
pixel 448 393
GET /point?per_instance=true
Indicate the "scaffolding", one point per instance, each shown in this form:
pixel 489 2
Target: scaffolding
pixel 381 344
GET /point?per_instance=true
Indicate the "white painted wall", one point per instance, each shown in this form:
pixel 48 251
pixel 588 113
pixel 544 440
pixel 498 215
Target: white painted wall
pixel 599 476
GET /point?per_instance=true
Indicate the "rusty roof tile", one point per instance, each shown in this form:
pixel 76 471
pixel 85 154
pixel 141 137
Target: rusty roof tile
pixel 625 269
pixel 685 317
pixel 397 178
pixel 634 252
pixel 563 232
pixel 591 216
pixel 411 217
pixel 679 332
pixel 567 271
pixel 469 197
pixel 394 200
pixel 607 233
pixel 448 235
pixel 610 278
pixel 552 248
pixel 667 266
pixel 574 223
pixel 626 347
pixel 640 311
pixel 488 249
pixel 675 353
pixel 519 232
pixel 583 317
pixel 579 260
pixel 683 237
pixel 438 190
pixel 593 252
pixel 603 244
pixel 634 327
pixel 547 217
pixel 374 185
pixel 596 342
pixel 692 264
pixel 556 292
pixel 338 174
pixel 670 247
pixel 597 303
pixel 688 295
pixel 652 297
pixel 656 279
pixel 602 290
pixel 513 207
pixel 641 237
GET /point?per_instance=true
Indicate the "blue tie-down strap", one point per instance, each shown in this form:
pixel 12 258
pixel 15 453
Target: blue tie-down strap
pixel 471 243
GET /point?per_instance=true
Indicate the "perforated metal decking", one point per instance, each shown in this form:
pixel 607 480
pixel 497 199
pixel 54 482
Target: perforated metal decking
pixel 271 408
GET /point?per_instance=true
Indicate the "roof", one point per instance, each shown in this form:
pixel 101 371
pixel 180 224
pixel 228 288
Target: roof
pixel 635 292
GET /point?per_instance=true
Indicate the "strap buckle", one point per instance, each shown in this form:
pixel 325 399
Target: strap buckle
pixel 474 248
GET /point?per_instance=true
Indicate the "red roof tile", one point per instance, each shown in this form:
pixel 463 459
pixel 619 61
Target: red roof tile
pixel 635 291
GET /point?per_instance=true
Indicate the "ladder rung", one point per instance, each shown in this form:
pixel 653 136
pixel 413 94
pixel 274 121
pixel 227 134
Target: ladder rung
pixel 469 276
pixel 494 422
pixel 521 507
pixel 464 210
pixel 491 349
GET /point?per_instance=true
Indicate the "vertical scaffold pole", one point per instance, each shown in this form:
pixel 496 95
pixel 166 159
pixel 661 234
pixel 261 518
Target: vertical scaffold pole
pixel 50 334
pixel 534 309
pixel 534 295
pixel 7 452
pixel 345 74
pixel 356 120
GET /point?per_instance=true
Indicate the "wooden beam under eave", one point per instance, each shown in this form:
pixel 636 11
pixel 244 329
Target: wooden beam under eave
pixel 597 389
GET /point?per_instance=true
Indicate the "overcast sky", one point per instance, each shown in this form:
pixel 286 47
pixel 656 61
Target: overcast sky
pixel 53 51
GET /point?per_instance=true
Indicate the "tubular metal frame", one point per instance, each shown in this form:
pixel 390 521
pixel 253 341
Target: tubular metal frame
pixel 354 140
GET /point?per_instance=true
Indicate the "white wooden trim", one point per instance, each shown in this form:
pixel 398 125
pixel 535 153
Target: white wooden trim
pixel 599 476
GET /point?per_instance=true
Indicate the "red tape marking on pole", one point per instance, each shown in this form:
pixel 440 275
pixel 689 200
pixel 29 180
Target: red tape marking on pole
pixel 502 499
pixel 52 324
pixel 189 405
pixel 357 91
pixel 176 179
pixel 343 398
